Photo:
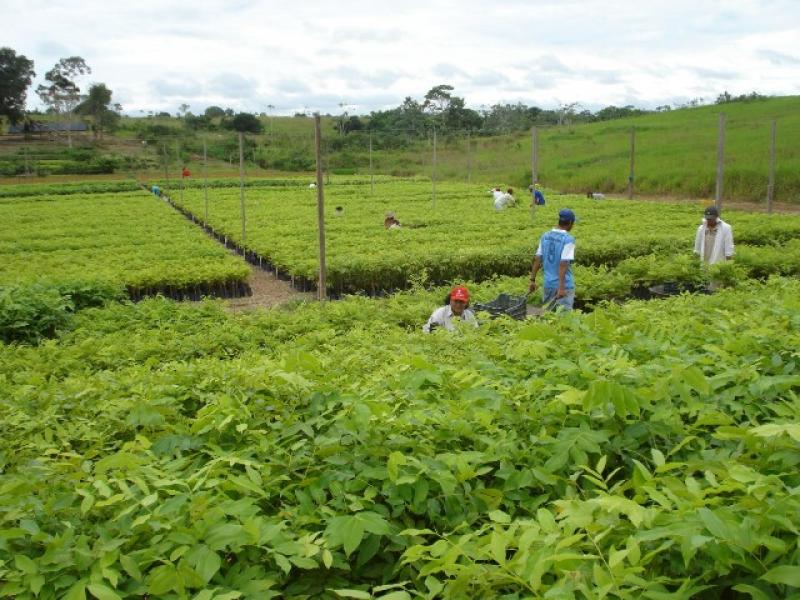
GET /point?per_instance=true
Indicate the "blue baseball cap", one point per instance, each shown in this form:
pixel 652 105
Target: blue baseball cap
pixel 566 214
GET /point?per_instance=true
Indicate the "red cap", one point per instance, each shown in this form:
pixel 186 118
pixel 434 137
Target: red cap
pixel 460 293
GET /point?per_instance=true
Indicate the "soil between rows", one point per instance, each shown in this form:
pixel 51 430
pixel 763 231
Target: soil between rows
pixel 268 291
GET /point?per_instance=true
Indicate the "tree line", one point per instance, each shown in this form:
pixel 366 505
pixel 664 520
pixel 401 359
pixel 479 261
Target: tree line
pixel 440 109
pixel 60 92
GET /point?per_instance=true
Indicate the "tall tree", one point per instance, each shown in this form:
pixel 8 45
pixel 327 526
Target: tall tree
pixel 61 92
pixel 438 99
pixel 245 122
pixel 97 105
pixel 16 74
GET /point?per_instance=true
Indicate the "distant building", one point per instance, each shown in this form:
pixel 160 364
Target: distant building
pixel 47 127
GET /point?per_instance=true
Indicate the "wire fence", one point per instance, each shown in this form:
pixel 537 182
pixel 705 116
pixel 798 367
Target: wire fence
pixel 710 160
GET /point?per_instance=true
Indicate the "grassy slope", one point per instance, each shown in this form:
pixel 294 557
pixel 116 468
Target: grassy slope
pixel 675 152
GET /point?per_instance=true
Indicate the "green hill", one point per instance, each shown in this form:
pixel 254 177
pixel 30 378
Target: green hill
pixel 676 154
pixel 676 151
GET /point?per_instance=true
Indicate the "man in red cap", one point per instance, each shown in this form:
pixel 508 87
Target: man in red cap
pixel 455 309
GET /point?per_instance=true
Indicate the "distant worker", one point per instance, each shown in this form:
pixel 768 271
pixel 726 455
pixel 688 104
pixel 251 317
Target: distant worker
pixel 713 242
pixel 555 255
pixel 185 173
pixel 595 195
pixel 156 190
pixel 537 197
pixel 496 194
pixel 391 222
pixel 312 185
pixel 456 308
pixel 339 211
pixel 503 200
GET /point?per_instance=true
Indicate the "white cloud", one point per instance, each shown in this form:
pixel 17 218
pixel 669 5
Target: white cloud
pixel 247 54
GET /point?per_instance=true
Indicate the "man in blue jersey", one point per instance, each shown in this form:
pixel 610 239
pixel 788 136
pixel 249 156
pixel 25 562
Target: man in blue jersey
pixel 537 197
pixel 554 256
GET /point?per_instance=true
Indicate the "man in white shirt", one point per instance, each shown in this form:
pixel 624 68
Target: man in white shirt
pixel 447 315
pixel 713 242
pixel 503 200
pixel 497 195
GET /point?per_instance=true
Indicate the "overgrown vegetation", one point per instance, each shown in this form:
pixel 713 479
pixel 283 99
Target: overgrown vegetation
pixel 462 237
pixel 337 452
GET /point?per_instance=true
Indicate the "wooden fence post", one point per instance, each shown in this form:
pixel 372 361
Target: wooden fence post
pixel 720 161
pixel 469 157
pixel 534 167
pixel 241 188
pixel 631 172
pixel 321 285
pixel 771 184
pixel 205 176
pixel 433 170
pixel 166 168
pixel 371 175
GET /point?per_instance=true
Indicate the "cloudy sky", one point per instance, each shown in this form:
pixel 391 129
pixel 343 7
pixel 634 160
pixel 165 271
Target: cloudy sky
pixel 310 55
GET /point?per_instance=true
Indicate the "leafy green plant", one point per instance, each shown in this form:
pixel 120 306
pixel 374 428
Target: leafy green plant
pixel 92 246
pixel 463 237
pixel 335 451
pixel 28 314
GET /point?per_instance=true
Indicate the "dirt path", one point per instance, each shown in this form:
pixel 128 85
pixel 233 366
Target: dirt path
pixel 268 291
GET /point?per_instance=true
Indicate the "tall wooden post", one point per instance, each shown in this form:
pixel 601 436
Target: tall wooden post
pixel 631 172
pixel 241 188
pixel 469 157
pixel 534 167
pixel 771 184
pixel 533 156
pixel 720 161
pixel 180 165
pixel 69 128
pixel 371 175
pixel 205 177
pixel 166 168
pixel 433 170
pixel 321 285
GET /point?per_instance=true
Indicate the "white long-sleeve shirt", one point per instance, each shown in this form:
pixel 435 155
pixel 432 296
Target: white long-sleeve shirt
pixel 444 317
pixel 723 242
pixel 504 201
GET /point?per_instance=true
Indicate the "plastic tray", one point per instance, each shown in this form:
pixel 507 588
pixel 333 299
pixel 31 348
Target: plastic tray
pixel 672 288
pixel 506 304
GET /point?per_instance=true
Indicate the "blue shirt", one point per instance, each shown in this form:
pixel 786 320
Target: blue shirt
pixel 556 246
pixel 538 198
